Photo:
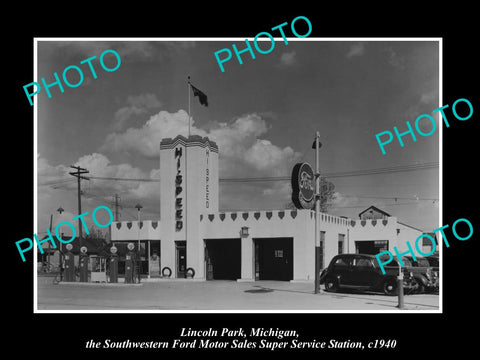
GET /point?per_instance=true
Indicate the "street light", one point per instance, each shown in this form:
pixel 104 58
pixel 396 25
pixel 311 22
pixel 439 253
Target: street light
pixel 139 207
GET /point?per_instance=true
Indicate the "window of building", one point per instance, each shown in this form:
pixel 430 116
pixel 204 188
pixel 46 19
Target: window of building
pixel 341 242
pixel 381 245
pixel 322 246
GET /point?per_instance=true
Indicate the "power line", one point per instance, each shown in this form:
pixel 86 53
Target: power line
pixel 384 170
pixel 123 179
pixel 363 206
pixel 56 182
pixel 388 198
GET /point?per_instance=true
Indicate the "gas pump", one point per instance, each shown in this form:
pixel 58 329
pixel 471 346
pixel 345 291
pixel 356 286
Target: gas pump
pixel 83 264
pixel 113 265
pixel 69 264
pixel 130 264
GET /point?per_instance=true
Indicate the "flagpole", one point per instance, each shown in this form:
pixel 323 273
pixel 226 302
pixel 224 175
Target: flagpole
pixel 189 117
pixel 186 179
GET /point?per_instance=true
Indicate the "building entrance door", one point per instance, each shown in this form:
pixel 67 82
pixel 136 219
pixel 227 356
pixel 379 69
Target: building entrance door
pixel 154 258
pixel 208 264
pixel 181 258
pixel 274 259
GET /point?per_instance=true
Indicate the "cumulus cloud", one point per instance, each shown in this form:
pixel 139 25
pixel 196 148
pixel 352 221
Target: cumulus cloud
pixel 287 59
pixel 136 105
pixel 244 152
pixel 56 188
pixel 148 190
pixel 145 140
pixel 242 148
pixel 48 172
pixel 266 157
pixel 357 49
pixel 98 165
pixel 340 200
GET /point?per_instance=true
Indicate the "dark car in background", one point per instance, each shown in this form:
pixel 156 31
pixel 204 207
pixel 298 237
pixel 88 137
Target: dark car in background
pixel 425 275
pixel 362 272
pixel 434 262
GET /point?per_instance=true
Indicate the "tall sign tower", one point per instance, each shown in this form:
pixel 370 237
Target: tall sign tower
pixel 188 187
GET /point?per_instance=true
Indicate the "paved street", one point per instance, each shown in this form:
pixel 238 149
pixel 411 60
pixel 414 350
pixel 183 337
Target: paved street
pixel 215 295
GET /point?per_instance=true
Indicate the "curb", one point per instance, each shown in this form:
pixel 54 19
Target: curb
pixel 75 283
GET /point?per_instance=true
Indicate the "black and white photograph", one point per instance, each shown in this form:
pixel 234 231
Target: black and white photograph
pixel 294 181
pixel 197 168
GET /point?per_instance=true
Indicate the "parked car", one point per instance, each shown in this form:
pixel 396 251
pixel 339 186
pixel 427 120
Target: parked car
pixel 425 275
pixel 434 262
pixel 362 272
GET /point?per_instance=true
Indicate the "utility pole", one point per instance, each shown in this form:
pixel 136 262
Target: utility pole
pixel 117 206
pixel 48 256
pixel 78 174
pixel 316 146
pixel 139 260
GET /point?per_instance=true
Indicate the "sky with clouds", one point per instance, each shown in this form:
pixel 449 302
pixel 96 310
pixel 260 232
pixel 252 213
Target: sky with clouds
pixel 263 115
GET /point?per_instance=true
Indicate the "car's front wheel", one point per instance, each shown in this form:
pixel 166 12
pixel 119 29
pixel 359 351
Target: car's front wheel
pixel 421 288
pixel 331 284
pixel 390 287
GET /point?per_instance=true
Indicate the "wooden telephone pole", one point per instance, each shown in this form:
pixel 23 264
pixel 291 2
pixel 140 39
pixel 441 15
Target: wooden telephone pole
pixel 78 174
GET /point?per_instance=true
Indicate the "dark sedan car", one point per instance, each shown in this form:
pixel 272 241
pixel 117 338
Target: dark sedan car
pixel 425 275
pixel 362 272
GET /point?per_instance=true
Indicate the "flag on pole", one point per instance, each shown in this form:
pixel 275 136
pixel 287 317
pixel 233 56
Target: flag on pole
pixel 201 96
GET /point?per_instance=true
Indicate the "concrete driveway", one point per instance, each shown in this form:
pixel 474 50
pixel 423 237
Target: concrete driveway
pixel 187 295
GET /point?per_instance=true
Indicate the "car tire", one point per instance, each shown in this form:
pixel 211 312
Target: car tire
pixel 421 288
pixel 389 287
pixel 331 284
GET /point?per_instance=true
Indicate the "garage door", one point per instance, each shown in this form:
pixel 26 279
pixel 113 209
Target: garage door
pixel 222 257
pixel 274 259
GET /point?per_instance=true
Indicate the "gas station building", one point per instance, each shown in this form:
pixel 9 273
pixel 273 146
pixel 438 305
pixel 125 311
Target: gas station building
pixel 193 238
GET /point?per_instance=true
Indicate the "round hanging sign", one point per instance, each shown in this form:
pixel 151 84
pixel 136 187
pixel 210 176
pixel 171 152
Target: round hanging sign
pixel 303 186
